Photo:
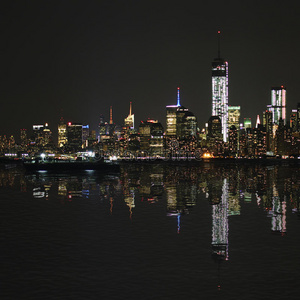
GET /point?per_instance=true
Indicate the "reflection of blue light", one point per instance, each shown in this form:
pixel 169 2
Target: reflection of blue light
pixel 178 223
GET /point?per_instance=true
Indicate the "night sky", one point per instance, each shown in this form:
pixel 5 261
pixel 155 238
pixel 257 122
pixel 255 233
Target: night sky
pixel 77 58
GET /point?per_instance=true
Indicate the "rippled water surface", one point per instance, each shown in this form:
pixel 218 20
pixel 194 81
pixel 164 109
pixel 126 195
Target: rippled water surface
pixel 151 232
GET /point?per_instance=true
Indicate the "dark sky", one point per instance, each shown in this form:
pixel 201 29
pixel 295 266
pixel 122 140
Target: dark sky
pixel 80 57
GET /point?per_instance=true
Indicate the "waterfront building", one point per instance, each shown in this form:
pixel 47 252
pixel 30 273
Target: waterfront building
pixel 220 91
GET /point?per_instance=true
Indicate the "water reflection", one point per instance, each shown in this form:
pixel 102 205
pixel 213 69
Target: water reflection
pixel 176 190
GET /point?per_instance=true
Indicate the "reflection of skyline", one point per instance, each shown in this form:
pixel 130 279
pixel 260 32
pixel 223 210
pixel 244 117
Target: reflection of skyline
pixel 275 190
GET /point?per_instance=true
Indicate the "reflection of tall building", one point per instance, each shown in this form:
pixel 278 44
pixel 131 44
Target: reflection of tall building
pixel 220 225
pixel 220 91
pixel 278 212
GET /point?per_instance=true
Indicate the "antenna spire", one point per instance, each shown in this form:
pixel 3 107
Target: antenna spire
pixel 219 43
pixel 110 116
pixel 130 108
pixel 178 96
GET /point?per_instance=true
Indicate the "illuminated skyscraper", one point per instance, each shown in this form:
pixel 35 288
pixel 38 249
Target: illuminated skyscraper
pixel 247 123
pixel 62 133
pixel 129 121
pixel 220 91
pixel 172 116
pixel 234 113
pixel 181 122
pixel 278 104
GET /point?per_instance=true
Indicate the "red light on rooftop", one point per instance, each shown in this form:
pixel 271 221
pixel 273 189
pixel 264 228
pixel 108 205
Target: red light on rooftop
pixel 219 31
pixel 69 123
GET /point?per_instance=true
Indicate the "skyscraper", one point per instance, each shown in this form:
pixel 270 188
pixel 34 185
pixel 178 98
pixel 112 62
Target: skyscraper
pixel 181 123
pixel 129 121
pixel 220 91
pixel 62 133
pixel 278 104
pixel 234 113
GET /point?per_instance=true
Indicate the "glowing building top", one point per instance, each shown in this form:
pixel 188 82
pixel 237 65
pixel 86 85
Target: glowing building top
pixel 129 121
pixel 220 90
pixel 178 96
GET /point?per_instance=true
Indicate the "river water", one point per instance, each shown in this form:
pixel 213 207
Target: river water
pixel 151 232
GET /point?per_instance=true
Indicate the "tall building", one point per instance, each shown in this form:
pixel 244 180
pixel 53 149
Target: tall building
pixel 151 137
pixel 129 121
pixel 74 135
pixel 62 133
pixel 171 129
pixel 24 140
pixel 181 122
pixel 234 113
pixel 220 91
pixel 85 134
pixel 278 104
pixel 268 125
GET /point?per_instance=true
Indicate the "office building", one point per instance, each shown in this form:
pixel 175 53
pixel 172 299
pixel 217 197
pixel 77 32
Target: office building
pixel 220 91
pixel 278 104
pixel 62 133
pixel 234 113
pixel 74 136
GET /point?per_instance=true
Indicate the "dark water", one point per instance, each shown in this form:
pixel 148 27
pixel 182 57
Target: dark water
pixel 151 232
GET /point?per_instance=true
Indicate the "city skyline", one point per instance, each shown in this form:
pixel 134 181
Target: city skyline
pixel 79 60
